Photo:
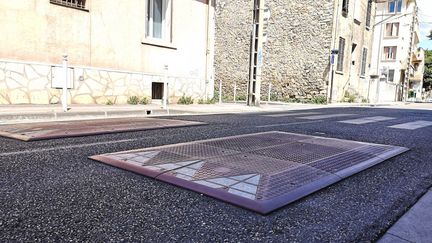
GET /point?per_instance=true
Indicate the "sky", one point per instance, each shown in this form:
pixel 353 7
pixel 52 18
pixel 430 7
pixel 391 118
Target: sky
pixel 425 18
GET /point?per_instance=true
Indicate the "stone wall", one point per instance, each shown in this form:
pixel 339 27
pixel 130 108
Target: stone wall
pixel 30 83
pixel 296 56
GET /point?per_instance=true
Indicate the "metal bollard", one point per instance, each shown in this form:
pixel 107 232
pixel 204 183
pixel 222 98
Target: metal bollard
pixel 65 83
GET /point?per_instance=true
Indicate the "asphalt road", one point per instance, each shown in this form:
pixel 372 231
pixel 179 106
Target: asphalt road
pixel 51 192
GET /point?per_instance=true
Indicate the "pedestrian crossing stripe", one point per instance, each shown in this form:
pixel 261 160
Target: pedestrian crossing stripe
pixel 293 114
pixel 412 125
pixel 318 117
pixel 367 120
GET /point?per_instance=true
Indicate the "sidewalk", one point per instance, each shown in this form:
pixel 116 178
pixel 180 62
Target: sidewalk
pixel 37 113
pixel 415 225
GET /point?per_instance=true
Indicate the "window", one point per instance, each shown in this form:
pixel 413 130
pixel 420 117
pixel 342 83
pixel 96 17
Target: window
pixel 364 61
pixel 158 19
pixel 345 7
pixel 391 74
pixel 369 14
pixel 70 3
pixel 390 52
pixel 392 30
pixel 395 6
pixel 340 61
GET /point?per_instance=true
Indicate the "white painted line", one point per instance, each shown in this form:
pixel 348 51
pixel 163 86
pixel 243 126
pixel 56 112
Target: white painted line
pixel 366 120
pixel 413 125
pixel 324 116
pixel 67 147
pixel 287 124
pixel 293 114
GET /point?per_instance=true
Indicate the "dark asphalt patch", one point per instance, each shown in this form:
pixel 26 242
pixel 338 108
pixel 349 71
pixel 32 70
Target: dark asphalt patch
pixel 261 172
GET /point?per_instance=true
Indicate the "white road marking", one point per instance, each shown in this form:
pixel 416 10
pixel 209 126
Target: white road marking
pixel 324 116
pixel 367 120
pixel 293 114
pixel 67 147
pixel 287 124
pixel 413 125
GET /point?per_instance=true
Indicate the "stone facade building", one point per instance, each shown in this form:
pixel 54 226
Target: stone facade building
pixel 296 57
pixel 116 49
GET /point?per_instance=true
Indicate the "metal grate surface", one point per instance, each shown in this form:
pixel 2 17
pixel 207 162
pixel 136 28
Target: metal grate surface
pixel 261 172
pixel 61 129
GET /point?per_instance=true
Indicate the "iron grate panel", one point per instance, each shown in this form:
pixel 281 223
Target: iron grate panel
pixel 62 129
pixel 299 152
pixel 261 171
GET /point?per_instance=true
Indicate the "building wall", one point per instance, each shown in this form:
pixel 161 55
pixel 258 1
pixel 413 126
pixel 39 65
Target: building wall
pixel 405 20
pixel 110 35
pixel 32 83
pixel 353 29
pixel 296 55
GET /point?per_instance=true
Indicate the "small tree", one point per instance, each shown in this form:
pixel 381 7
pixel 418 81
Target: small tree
pixel 427 79
pixel 430 35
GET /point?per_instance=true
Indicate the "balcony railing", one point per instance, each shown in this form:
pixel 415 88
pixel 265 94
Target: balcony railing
pixel 79 4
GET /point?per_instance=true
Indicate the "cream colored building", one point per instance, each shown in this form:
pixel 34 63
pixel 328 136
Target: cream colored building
pixel 116 49
pixel 352 38
pixel 395 50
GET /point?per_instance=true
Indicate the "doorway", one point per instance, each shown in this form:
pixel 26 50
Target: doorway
pixel 157 91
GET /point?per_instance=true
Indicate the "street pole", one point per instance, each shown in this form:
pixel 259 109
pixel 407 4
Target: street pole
pixel 235 92
pixel 220 91
pixel 165 89
pixel 405 87
pixel 65 83
pixel 256 54
pixel 269 93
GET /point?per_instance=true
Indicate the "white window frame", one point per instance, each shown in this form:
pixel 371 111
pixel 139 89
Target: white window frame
pixel 166 21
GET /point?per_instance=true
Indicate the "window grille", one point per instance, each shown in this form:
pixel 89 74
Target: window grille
pixel 341 54
pixel 70 3
pixel 364 61
pixel 369 14
pixel 345 7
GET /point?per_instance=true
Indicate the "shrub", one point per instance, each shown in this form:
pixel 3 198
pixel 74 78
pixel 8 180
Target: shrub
pixel 133 100
pixel 185 100
pixel 109 102
pixel 349 97
pixel 144 101
pixel 319 99
pixel 241 97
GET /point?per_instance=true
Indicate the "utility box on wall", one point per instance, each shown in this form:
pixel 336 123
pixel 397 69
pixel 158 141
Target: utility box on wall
pixel 58 77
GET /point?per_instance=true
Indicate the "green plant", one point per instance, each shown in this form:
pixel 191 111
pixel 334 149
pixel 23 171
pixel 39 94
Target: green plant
pixel 241 97
pixel 185 100
pixel 133 100
pixel 109 102
pixel 411 94
pixel 349 97
pixel 144 101
pixel 320 99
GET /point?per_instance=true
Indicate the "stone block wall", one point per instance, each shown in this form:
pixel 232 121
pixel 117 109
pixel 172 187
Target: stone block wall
pixel 30 83
pixel 296 55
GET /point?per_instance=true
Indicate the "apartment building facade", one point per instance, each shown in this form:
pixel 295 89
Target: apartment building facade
pixel 297 57
pixel 396 60
pixel 116 49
